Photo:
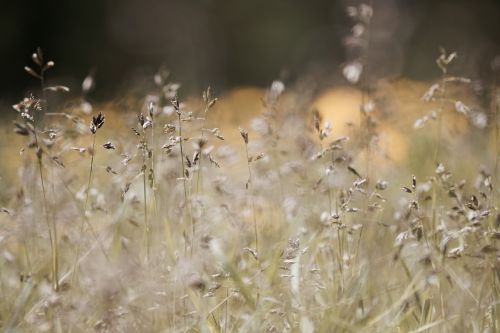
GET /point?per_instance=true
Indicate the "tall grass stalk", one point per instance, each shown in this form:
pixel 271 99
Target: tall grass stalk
pixel 362 16
pixel 85 206
pixel 271 101
pixel 95 124
pixel 442 61
pixel 152 173
pixel 209 103
pixel 175 103
pixel 55 247
pixel 145 124
pixel 249 186
pixel 495 105
pixel 250 189
pixel 145 204
pixel 365 98
pixel 51 225
pixel 38 59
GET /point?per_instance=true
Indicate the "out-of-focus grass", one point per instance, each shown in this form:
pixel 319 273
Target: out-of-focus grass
pixel 337 251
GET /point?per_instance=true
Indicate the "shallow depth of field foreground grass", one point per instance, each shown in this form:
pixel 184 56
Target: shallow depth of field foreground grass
pixel 158 220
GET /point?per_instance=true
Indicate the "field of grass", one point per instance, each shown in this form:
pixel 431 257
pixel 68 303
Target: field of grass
pixel 164 220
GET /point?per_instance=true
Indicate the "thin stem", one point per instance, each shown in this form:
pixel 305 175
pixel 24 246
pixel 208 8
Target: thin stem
pixel 440 120
pixel 365 127
pixel 84 217
pixel 340 260
pixel 496 106
pixel 78 248
pixel 174 301
pixel 53 233
pixel 437 150
pixel 280 182
pixel 225 317
pixel 51 226
pixel 199 178
pixel 153 162
pixel 146 222
pixel 148 234
pixel 44 93
pixel 186 199
pixel 250 189
pixel 27 255
pixel 90 176
pixel 330 206
pixel 200 169
pixel 182 156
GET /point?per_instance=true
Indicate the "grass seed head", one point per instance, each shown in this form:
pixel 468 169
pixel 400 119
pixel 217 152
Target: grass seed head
pixel 244 135
pixel 97 122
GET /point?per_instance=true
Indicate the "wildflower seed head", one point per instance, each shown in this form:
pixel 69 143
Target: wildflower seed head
pixel 244 135
pixel 175 104
pixel 277 88
pixel 39 152
pixel 431 92
pixel 32 72
pixel 316 120
pixel 39 53
pixel 144 122
pixel 147 124
pixel 479 119
pixel 445 59
pixel 207 96
pixel 27 106
pixel 352 72
pixel 48 65
pixel 141 119
pixel 208 99
pixel 461 107
pixel 88 84
pixel 216 132
pixel 58 88
pixel 381 185
pixel 108 145
pixel 36 59
pixel 97 122
pixel 419 123
pixel 196 157
pixel 151 109
pixel 169 128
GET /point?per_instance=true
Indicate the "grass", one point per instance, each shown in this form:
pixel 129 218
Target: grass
pixel 294 238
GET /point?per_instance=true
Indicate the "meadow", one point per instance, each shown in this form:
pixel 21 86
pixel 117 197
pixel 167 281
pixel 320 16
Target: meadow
pixel 259 210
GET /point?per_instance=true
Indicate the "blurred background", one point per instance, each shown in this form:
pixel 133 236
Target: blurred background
pixel 229 43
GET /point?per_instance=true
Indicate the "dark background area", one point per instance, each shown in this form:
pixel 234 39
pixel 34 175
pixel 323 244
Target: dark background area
pixel 229 43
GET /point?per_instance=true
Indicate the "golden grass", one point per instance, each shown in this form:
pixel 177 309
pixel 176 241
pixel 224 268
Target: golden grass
pixel 336 252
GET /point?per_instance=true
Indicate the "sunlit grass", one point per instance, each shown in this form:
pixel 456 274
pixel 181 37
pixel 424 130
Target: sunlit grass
pixel 167 224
